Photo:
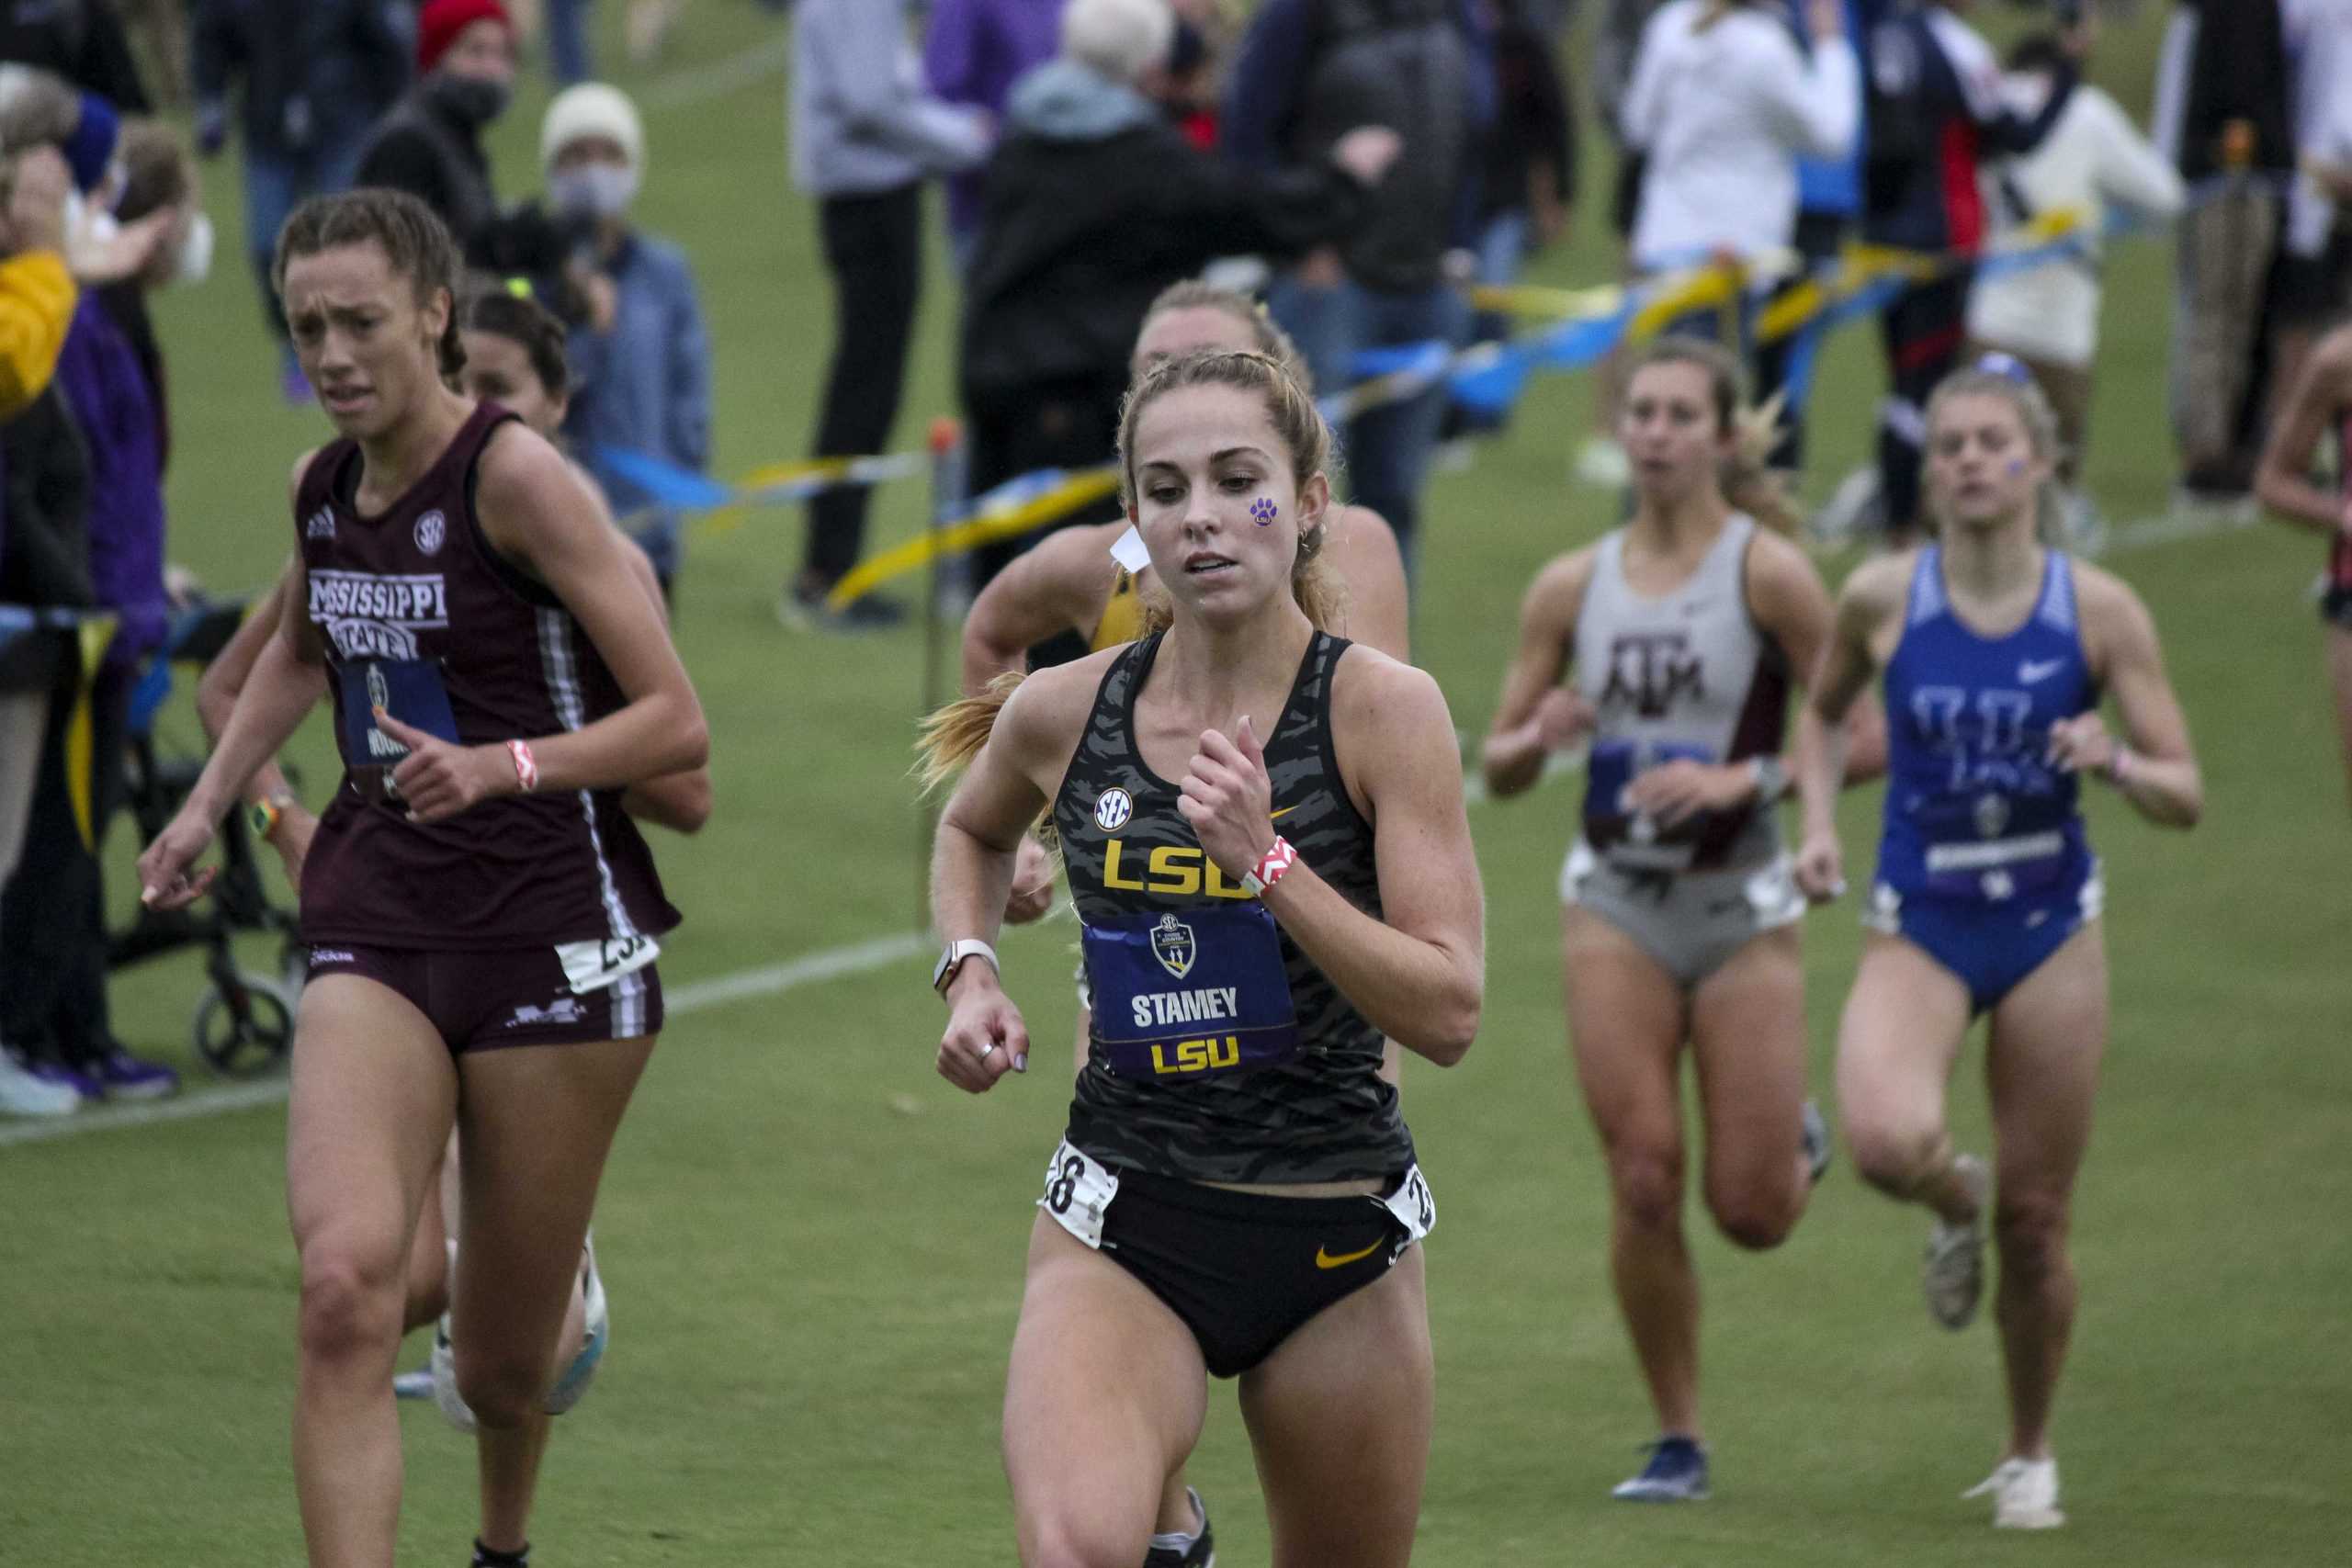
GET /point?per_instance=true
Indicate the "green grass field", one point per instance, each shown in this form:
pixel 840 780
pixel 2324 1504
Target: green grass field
pixel 814 1245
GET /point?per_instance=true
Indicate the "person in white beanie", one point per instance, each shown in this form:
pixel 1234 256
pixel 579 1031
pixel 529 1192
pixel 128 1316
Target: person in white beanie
pixel 641 366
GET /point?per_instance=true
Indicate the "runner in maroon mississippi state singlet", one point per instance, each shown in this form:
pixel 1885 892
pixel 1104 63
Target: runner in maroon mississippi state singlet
pixel 2322 402
pixel 482 916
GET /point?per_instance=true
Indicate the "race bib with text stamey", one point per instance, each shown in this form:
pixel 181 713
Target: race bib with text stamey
pixel 1190 995
pixel 1078 1194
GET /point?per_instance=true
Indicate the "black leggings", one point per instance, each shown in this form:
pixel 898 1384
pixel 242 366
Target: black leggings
pixel 874 249
pixel 1923 329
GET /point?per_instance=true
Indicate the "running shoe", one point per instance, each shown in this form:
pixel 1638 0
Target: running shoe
pixel 1677 1473
pixel 1953 1275
pixel 1196 1550
pixel 573 1386
pixel 58 1074
pixel 417 1384
pixel 122 1076
pixel 2024 1493
pixel 24 1092
pixel 1815 1134
pixel 805 610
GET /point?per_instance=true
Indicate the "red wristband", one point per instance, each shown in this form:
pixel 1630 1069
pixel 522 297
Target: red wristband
pixel 527 767
pixel 1269 867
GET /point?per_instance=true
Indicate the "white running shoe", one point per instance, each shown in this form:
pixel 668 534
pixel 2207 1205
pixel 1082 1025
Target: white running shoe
pixel 570 1388
pixel 24 1094
pixel 573 1386
pixel 2024 1493
pixel 1953 1276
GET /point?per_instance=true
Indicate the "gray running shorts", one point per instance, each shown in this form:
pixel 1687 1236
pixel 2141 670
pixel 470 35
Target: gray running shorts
pixel 1691 921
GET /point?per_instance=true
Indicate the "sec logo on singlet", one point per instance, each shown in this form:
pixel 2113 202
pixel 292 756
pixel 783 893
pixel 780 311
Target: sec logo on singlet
pixel 431 529
pixel 1112 810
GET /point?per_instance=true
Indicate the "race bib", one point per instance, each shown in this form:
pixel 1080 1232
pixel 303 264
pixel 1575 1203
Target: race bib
pixel 1626 836
pixel 1412 1206
pixel 1192 995
pixel 408 689
pixel 1078 1194
pixel 593 966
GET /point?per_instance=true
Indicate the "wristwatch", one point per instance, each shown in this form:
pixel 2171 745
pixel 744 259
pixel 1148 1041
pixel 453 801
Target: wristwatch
pixel 953 960
pixel 1771 779
pixel 263 815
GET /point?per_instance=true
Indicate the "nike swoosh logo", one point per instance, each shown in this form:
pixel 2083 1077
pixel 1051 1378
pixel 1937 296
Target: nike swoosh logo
pixel 1283 813
pixel 2032 672
pixel 1325 1261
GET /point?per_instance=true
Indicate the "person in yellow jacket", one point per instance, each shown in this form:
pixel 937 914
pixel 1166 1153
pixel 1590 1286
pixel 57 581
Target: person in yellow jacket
pixel 37 292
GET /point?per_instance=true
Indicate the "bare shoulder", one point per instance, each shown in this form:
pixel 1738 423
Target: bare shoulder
pixel 1047 711
pixel 1876 589
pixel 1775 558
pixel 1366 532
pixel 1557 592
pixel 518 465
pixel 1371 692
pixel 2113 615
pixel 1078 560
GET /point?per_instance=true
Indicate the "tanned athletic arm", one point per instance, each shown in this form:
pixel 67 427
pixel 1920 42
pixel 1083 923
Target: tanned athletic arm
pixel 1538 716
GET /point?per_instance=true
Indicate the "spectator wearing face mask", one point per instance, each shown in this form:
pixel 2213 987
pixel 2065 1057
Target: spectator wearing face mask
pixel 430 144
pixel 642 364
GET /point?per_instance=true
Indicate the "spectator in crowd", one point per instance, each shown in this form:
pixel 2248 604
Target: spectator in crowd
pixel 81 41
pixel 1829 203
pixel 1600 461
pixel 1935 107
pixel 313 77
pixel 2224 117
pixel 568 53
pixel 1094 203
pixel 2047 317
pixel 44 559
pixel 37 291
pixel 1308 71
pixel 1723 105
pixel 865 137
pixel 52 925
pixel 430 144
pixel 641 365
pixel 973 51
pixel 2307 285
pixel 1527 172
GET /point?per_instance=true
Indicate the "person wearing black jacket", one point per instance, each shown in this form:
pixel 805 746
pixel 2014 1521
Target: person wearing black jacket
pixel 312 78
pixel 1093 203
pixel 80 40
pixel 430 145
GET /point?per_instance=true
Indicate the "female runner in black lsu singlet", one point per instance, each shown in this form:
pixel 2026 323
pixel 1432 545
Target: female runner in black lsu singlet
pixel 1237 1193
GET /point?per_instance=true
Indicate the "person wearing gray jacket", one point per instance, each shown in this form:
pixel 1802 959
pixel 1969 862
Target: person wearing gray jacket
pixel 866 136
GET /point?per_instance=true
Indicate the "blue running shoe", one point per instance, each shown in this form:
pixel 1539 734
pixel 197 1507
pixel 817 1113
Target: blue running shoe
pixel 1677 1473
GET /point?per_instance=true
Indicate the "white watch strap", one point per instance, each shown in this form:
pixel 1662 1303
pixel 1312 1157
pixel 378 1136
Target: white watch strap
pixel 958 951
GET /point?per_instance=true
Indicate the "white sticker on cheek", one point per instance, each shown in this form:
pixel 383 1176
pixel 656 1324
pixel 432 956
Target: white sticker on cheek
pixel 1128 551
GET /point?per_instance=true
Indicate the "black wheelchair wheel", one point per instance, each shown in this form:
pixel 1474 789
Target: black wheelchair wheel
pixel 243 1027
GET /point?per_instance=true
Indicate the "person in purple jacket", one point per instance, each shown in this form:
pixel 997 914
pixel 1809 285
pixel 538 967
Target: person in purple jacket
pixel 52 930
pixel 972 51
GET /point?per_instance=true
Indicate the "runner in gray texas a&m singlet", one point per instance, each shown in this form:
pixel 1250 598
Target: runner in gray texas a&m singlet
pixel 1688 675
pixel 1316 1108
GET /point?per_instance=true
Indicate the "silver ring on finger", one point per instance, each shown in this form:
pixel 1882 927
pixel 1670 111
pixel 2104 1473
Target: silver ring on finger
pixel 985 1049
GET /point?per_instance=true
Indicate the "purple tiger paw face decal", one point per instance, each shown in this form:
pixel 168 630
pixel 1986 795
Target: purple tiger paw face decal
pixel 1262 509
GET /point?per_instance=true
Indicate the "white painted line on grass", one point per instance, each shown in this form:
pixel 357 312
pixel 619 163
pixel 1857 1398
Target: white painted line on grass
pixel 692 85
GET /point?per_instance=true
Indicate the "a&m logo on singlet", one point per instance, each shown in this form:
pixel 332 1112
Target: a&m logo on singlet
pixel 367 616
pixel 1649 671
